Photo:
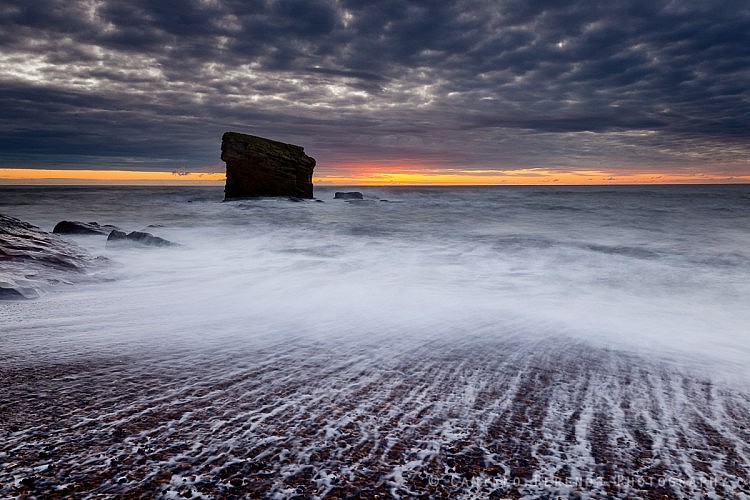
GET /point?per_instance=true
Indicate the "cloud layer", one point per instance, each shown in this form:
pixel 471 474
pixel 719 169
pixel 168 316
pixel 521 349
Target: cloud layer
pixel 471 84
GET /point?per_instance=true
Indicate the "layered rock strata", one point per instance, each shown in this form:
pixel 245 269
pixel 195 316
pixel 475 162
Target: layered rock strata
pixel 262 167
pixel 32 260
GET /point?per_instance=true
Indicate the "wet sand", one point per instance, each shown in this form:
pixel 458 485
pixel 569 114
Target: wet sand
pixel 483 418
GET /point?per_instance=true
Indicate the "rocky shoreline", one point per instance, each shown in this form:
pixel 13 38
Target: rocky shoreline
pixel 33 261
pixel 489 418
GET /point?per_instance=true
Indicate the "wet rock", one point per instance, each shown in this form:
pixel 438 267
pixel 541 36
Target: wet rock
pixel 348 195
pixel 19 289
pixel 262 167
pixel 28 481
pixel 116 236
pixel 136 238
pixel 10 291
pixel 76 227
pixel 34 260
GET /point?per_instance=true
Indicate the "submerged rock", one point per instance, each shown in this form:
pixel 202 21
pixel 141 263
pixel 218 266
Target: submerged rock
pixel 138 238
pixel 32 260
pixel 262 167
pixel 11 291
pixel 348 195
pixel 76 227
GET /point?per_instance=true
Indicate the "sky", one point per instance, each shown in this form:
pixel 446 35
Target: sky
pixel 379 92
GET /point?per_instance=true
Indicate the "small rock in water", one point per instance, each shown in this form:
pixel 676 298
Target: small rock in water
pixel 348 195
pixel 117 236
pixel 10 291
pixel 138 238
pixel 76 227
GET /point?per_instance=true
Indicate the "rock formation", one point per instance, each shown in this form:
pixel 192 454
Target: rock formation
pixel 262 167
pixel 76 227
pixel 33 260
pixel 348 195
pixel 137 238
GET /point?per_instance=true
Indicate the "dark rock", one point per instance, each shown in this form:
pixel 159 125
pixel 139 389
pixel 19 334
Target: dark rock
pixel 348 195
pixel 28 481
pixel 149 239
pixel 76 227
pixel 34 260
pixel 12 293
pixel 137 238
pixel 117 235
pixel 262 167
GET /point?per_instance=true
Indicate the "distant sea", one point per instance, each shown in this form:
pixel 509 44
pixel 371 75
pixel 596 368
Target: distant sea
pixel 415 341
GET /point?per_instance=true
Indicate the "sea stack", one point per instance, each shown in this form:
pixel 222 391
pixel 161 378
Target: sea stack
pixel 262 167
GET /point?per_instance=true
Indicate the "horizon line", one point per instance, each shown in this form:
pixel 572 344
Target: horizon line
pixel 366 177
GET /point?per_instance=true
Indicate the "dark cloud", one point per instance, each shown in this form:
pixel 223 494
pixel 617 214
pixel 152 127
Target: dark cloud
pixel 476 84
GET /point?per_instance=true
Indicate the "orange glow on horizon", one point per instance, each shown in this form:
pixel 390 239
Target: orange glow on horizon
pixel 119 177
pixel 376 175
pixel 367 175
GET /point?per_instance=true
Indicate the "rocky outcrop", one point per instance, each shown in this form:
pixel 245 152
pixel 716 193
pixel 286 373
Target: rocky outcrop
pixel 137 238
pixel 348 195
pixel 33 260
pixel 76 227
pixel 262 167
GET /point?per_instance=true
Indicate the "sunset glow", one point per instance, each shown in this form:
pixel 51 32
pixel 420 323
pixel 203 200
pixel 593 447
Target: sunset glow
pixel 376 175
pixel 369 176
pixel 117 177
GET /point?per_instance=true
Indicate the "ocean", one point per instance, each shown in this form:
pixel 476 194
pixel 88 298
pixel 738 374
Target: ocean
pixel 512 341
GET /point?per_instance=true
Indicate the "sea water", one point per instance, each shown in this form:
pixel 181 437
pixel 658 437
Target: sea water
pixel 665 269
pixel 568 277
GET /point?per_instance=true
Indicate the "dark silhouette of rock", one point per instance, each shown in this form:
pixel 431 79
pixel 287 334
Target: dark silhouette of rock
pixel 348 195
pixel 76 227
pixel 262 167
pixel 117 235
pixel 137 238
pixel 34 260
